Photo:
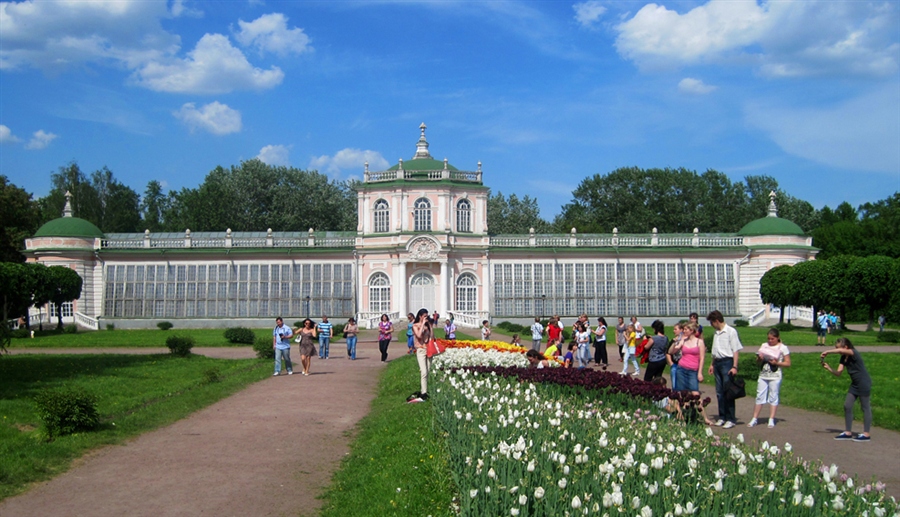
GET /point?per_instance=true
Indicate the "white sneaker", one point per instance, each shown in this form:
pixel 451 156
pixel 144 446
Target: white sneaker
pixel 771 423
pixel 275 374
pixel 719 423
pixel 290 372
pixel 728 425
pixel 753 422
pixel 636 374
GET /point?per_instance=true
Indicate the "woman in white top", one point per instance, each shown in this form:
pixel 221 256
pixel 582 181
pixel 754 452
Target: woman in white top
pixel 772 356
pixel 537 359
pixel 600 356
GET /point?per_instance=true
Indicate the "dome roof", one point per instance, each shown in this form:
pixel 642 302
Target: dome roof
pixel 69 227
pixel 770 226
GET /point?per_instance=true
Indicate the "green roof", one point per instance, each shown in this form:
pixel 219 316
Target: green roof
pixel 423 164
pixel 69 227
pixel 770 226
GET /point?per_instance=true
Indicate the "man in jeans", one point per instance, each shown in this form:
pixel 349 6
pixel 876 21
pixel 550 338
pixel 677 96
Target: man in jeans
pixel 324 330
pixel 281 342
pixel 725 349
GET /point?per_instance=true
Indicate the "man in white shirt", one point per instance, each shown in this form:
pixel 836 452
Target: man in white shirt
pixel 725 350
pixel 638 328
pixel 537 332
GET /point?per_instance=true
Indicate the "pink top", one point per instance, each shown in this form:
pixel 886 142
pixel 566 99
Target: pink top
pixel 690 358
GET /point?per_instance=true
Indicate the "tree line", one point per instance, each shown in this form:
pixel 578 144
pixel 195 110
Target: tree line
pixel 33 284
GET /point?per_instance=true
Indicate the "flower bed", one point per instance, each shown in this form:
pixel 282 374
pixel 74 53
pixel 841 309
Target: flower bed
pixel 570 442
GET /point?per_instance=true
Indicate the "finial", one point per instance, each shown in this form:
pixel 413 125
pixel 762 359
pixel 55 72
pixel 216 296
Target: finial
pixel 773 210
pixel 367 166
pixel 445 164
pixel 67 210
pixel 479 165
pixel 422 145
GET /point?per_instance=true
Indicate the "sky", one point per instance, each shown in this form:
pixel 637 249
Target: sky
pixel 543 93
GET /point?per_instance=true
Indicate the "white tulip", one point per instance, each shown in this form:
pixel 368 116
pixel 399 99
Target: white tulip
pixel 798 498
pixel 740 437
pixel 808 501
pixel 646 512
pixel 514 511
pixel 644 469
pixel 562 483
pixel 539 493
pixel 531 466
pixel 576 502
pixel 491 473
pixel 523 499
pixel 636 502
pixel 473 493
pixel 718 486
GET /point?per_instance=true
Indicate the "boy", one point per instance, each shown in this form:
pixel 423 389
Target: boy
pixel 485 330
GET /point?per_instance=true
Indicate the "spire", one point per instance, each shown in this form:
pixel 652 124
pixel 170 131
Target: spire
pixel 773 210
pixel 67 210
pixel 422 145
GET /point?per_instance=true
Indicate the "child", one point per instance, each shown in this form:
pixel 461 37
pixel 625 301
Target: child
pixel 570 355
pixel 450 329
pixel 409 334
pixel 629 348
pixel 485 330
pixel 515 340
pixel 552 350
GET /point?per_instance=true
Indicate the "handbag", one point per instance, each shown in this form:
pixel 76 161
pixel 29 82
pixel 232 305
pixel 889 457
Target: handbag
pixel 735 388
pixel 434 348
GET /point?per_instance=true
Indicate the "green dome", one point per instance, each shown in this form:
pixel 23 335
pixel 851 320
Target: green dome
pixel 69 227
pixel 771 226
pixel 423 164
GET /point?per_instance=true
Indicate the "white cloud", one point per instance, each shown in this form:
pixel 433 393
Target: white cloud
pixel 806 38
pixel 6 135
pixel 269 33
pixel 860 134
pixel 275 155
pixel 588 13
pixel 214 66
pixel 215 117
pixel 40 139
pixel 349 159
pixel 695 86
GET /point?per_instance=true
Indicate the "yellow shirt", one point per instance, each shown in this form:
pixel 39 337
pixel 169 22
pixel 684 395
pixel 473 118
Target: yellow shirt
pixel 551 351
pixel 631 338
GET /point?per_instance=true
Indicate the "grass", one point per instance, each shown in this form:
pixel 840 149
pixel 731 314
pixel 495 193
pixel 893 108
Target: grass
pixel 134 393
pixel 129 338
pixel 398 463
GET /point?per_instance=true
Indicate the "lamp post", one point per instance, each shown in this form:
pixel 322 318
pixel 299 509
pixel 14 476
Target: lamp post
pixel 543 301
pixel 307 306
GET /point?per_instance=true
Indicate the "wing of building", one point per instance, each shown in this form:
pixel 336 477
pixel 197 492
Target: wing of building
pixel 422 241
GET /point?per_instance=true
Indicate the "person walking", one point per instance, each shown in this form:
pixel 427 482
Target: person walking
pixel 725 351
pixel 422 333
pixel 324 330
pixel 450 330
pixel 772 357
pixel 822 322
pixel 581 338
pixel 410 342
pixel 656 360
pixel 385 331
pixel 630 351
pixel 621 339
pixel 600 356
pixel 860 387
pixel 351 330
pixel 693 355
pixel 671 357
pixel 554 333
pixel 485 330
pixel 537 333
pixel 881 321
pixel 281 342
pixel 307 340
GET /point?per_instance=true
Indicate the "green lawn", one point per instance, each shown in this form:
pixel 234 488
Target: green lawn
pixel 129 338
pixel 134 393
pixel 398 464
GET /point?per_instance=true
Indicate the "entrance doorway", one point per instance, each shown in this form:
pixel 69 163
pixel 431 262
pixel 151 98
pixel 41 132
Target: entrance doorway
pixel 421 292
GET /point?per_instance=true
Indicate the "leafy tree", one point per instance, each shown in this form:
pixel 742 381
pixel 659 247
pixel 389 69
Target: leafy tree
pixel 15 290
pixel 20 216
pixel 153 206
pixel 874 280
pixel 118 206
pixel 873 229
pixel 513 215
pixel 776 287
pixel 65 286
pixel 42 289
pixel 84 197
pixel 758 188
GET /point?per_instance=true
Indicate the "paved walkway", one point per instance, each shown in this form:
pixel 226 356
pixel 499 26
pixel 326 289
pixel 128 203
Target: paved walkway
pixel 272 448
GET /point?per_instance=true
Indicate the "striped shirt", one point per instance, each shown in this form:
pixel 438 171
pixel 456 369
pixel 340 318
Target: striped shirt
pixel 324 328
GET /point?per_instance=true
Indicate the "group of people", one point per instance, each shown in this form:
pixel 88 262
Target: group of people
pixel 306 335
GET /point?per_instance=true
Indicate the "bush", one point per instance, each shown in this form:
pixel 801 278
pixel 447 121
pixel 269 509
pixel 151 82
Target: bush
pixel 20 333
pixel 211 375
pixel 240 335
pixel 741 323
pixel 180 345
pixel 504 325
pixel 110 326
pixel 263 348
pixel 337 330
pixel 784 327
pixel 888 337
pixel 66 411
pixel 70 329
pixel 164 325
pixel 298 324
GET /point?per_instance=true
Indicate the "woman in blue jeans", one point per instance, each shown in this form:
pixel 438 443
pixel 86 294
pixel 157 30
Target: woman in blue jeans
pixel 351 330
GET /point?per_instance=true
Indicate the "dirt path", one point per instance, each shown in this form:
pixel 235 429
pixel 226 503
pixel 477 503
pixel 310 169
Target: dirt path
pixel 268 450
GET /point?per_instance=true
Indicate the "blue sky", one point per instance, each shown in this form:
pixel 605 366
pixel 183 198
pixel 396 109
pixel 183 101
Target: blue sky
pixel 544 94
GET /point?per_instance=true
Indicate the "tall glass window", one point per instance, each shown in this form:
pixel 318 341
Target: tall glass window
pixel 379 293
pixel 464 216
pixel 422 215
pixel 382 216
pixel 466 292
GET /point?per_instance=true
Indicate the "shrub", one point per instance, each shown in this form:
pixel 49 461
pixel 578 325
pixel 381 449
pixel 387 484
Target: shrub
pixel 298 324
pixel 20 333
pixel 888 337
pixel 741 323
pixel 263 348
pixel 70 329
pixel 164 325
pixel 784 327
pixel 66 411
pixel 504 325
pixel 337 330
pixel 110 326
pixel 211 375
pixel 180 345
pixel 240 335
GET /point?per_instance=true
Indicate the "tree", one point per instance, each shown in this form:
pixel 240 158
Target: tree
pixel 21 218
pixel 102 199
pixel 41 291
pixel 65 286
pixel 154 205
pixel 873 229
pixel 514 215
pixel 874 280
pixel 15 290
pixel 776 287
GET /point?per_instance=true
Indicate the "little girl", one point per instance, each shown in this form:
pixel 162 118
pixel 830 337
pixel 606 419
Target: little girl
pixel 631 335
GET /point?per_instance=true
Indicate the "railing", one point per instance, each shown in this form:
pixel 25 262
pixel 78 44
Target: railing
pixel 423 175
pixel 121 244
pixel 758 317
pixel 369 320
pixel 470 319
pixel 616 240
pixel 167 243
pixel 85 321
pixel 298 240
pixel 791 313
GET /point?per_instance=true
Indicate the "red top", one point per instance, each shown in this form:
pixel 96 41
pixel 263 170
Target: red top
pixel 553 331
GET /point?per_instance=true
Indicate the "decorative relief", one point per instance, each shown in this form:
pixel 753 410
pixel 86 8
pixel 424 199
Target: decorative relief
pixel 423 249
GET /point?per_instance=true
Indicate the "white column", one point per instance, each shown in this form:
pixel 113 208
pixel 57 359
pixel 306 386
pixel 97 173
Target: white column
pixel 395 285
pixel 445 288
pixel 402 290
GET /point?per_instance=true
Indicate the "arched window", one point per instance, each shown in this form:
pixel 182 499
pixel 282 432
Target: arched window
pixel 466 292
pixel 464 216
pixel 422 215
pixel 382 216
pixel 379 293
